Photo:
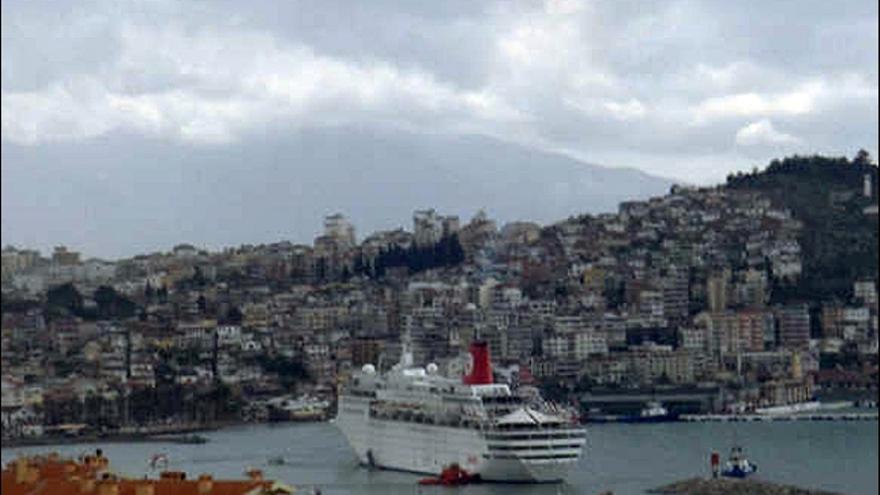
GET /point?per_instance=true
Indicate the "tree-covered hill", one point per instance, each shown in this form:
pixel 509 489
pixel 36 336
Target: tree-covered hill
pixel 839 241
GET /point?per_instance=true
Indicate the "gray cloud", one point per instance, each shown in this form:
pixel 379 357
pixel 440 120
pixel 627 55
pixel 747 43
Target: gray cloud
pixel 593 77
pixel 681 89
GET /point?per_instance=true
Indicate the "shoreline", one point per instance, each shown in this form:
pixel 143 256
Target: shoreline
pixel 725 418
pixel 859 416
pixel 122 438
pixel 188 435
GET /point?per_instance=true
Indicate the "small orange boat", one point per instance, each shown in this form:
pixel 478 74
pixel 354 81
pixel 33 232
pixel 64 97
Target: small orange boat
pixel 452 475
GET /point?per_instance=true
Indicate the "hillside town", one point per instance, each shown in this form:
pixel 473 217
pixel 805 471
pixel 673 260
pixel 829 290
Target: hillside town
pixel 684 296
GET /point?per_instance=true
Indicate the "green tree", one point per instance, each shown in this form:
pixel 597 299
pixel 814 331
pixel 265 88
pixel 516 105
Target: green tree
pixel 839 244
pixel 863 158
pixel 198 278
pixel 149 293
pixel 234 316
pixel 111 304
pixel 162 294
pixel 65 298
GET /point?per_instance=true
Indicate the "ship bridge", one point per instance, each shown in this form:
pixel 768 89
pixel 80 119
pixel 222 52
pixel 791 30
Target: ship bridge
pixel 527 417
pixel 491 390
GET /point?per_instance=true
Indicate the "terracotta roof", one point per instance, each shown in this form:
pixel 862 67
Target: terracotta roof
pixel 52 475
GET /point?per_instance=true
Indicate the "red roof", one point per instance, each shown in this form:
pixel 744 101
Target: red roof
pixel 52 475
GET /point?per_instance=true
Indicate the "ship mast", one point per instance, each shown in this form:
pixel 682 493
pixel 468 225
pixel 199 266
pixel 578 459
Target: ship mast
pixel 406 355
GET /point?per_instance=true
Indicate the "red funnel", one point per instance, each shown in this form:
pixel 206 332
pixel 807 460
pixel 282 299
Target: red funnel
pixel 481 373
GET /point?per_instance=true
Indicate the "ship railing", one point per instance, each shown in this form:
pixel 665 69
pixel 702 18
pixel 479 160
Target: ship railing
pixel 534 432
pixel 361 393
pixel 555 425
pixel 421 416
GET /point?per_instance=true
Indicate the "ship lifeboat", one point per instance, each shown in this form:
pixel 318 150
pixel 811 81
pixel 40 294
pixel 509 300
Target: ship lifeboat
pixel 452 475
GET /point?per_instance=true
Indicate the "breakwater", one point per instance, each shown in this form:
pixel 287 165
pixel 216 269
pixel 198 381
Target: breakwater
pixel 828 416
pixel 721 486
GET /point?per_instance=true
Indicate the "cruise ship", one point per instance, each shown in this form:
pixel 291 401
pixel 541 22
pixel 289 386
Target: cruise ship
pixel 413 419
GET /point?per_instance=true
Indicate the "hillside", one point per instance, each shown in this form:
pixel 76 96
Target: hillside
pixel 839 240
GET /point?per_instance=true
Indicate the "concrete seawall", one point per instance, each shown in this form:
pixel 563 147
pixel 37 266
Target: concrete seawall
pixel 872 416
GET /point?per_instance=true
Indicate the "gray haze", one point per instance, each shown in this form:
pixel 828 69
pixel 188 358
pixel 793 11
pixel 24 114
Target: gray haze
pixel 132 126
pixel 280 186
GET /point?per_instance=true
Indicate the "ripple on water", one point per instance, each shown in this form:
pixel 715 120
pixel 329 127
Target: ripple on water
pixel 627 459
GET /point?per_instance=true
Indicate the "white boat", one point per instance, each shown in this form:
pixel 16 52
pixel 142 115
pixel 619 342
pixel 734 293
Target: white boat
pixel 302 409
pixel 789 408
pixel 737 465
pixel 653 412
pixel 653 409
pixel 413 419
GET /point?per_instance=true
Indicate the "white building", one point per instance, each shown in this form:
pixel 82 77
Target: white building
pixel 337 227
pixel 866 291
pixel 228 335
pixel 185 251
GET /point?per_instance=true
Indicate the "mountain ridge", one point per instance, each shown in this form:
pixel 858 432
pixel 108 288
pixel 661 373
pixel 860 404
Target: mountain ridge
pixel 233 194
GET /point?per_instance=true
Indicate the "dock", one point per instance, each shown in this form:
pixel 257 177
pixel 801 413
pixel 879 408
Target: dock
pixel 818 416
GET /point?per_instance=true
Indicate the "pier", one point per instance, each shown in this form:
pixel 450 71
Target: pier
pixel 818 416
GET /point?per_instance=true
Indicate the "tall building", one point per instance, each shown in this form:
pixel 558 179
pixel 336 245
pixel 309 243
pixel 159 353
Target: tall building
pixel 865 291
pixel 675 287
pixel 337 227
pixel 451 224
pixel 733 332
pixel 753 329
pixel 651 303
pixel 61 256
pixel 794 327
pixel 15 261
pixel 750 290
pixel 832 321
pixel 427 227
pixel 717 291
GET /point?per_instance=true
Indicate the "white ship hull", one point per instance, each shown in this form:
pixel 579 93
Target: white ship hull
pixel 426 448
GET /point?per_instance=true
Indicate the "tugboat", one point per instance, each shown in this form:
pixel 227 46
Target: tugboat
pixel 452 475
pixel 192 439
pixel 737 466
pixel 653 412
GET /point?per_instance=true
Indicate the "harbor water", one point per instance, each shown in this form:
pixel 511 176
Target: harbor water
pixel 625 459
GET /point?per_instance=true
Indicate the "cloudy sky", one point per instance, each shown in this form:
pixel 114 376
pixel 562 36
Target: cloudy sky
pixel 687 90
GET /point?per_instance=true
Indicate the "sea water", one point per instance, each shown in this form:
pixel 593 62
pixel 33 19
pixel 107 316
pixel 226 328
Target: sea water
pixel 623 458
